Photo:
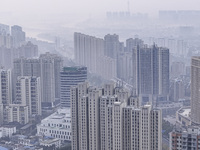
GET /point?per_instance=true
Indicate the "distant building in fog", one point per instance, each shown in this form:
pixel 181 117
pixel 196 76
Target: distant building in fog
pixel 6 41
pixel 28 50
pixel 51 65
pixel 90 52
pixel 70 76
pixel 126 61
pixel 177 69
pixel 111 46
pixel 18 35
pixel 4 29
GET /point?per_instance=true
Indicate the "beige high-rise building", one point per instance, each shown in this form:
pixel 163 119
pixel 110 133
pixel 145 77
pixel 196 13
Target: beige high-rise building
pixel 110 119
pixel 195 89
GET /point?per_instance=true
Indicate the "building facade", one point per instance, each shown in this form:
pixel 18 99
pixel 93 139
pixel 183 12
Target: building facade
pixel 185 139
pixel 90 52
pixel 16 113
pixel 28 93
pixel 18 35
pixel 110 119
pixel 5 87
pixel 48 68
pixel 70 76
pixel 195 92
pixel 57 125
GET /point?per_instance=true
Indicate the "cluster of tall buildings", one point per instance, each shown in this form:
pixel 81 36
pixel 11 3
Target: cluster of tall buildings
pixel 187 135
pixel 179 16
pixel 28 83
pixel 89 52
pixel 110 118
pixel 144 67
pixel 177 46
pixel 36 83
pixel 14 39
pixel 47 67
pixel 13 45
pixel 27 98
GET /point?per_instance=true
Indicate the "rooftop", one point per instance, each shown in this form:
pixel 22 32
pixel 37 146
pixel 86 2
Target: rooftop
pixel 61 116
pixel 185 111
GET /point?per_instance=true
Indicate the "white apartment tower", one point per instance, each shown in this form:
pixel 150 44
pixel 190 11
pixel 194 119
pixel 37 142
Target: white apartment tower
pixel 28 93
pixel 109 119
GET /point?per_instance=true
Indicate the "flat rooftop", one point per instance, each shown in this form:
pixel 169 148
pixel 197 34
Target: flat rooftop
pixel 185 111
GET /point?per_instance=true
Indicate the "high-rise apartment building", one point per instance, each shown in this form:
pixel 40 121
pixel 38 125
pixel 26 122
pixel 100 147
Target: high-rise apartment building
pixel 6 57
pixel 51 63
pixel 18 35
pixel 6 41
pixel 125 67
pixel 131 44
pixel 27 50
pixel 111 46
pixel 28 93
pixel 48 68
pixel 195 91
pixel 5 87
pixel 5 93
pixel 109 119
pixel 152 71
pixel 70 76
pixel 4 29
pixel 90 52
pixel 25 67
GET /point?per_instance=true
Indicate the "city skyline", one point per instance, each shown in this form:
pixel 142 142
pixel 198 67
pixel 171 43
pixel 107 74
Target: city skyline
pixel 151 87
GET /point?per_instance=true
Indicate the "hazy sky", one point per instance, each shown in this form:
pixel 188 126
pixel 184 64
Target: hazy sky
pixel 40 14
pixel 93 6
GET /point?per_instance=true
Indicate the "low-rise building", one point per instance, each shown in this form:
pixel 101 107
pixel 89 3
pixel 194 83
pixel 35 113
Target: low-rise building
pixel 48 142
pixel 57 125
pixel 17 113
pixel 185 139
pixel 7 131
pixel 183 116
